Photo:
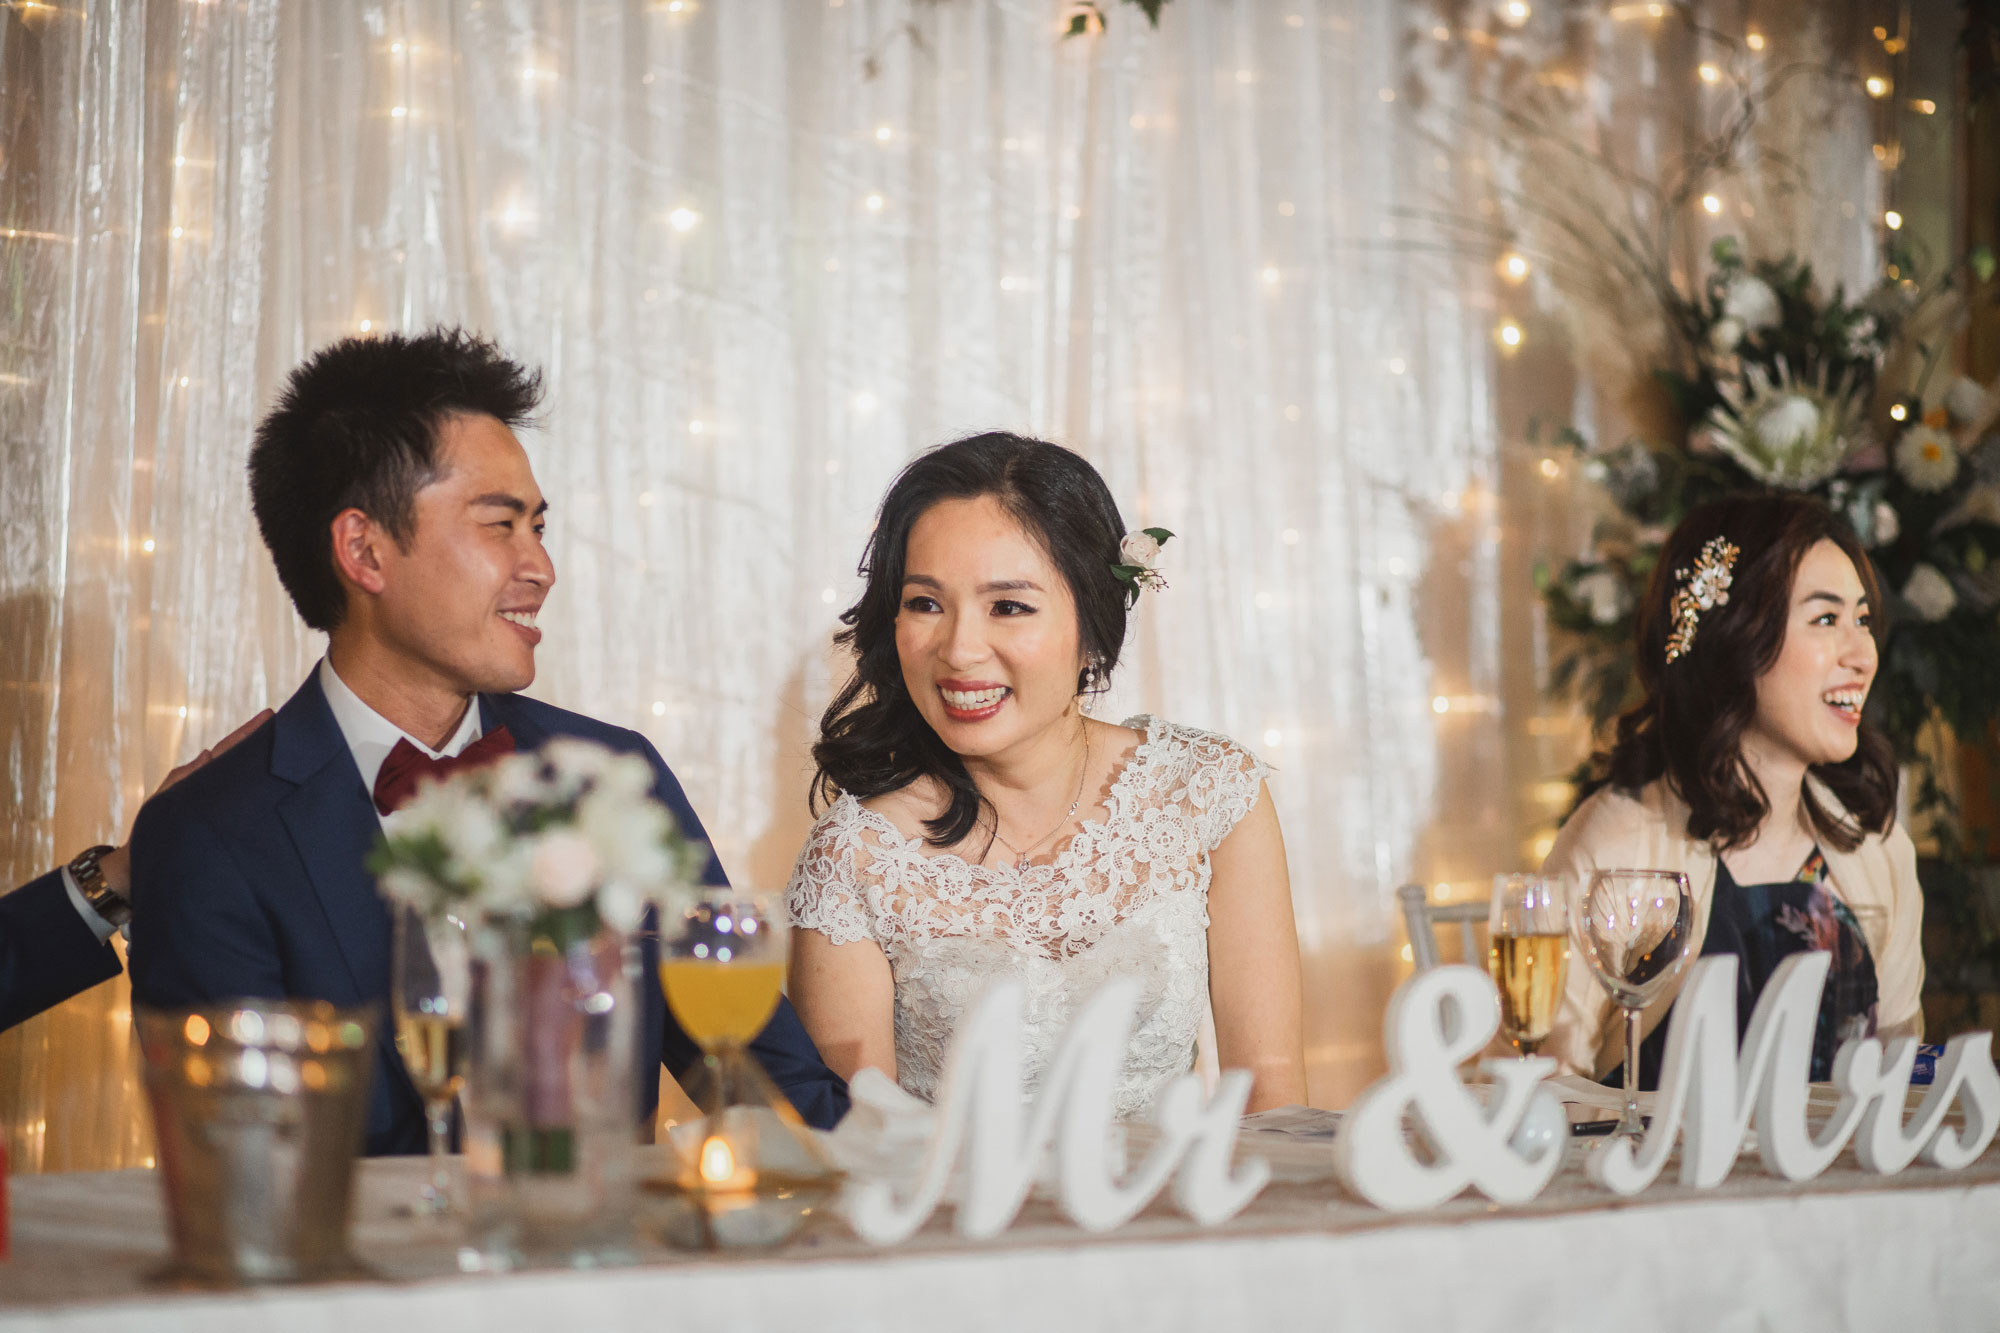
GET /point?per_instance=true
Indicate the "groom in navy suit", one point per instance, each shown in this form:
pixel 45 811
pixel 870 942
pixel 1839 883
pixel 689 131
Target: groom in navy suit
pixel 405 522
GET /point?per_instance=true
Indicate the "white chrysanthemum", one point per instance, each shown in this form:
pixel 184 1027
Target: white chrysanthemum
pixel 1751 301
pixel 1926 458
pixel 1931 593
pixel 1725 335
pixel 1785 431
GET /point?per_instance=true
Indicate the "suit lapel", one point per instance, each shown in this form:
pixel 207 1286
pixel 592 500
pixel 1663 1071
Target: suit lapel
pixel 333 826
pixel 496 710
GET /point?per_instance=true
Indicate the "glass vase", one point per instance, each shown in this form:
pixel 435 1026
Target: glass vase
pixel 551 1097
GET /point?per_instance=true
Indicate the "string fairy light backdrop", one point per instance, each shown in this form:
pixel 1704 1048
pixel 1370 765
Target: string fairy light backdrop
pixel 765 250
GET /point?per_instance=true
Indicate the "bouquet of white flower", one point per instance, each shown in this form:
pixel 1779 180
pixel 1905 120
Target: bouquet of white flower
pixel 567 838
pixel 1787 387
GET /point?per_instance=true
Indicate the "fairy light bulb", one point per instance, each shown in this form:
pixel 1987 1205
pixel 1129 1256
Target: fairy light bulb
pixel 1877 86
pixel 1509 333
pixel 1513 267
pixel 1514 13
pixel 1711 204
pixel 683 219
pixel 1893 220
pixel 1709 73
pixel 1755 41
pixel 1898 412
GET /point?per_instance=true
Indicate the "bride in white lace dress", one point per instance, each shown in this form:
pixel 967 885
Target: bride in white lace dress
pixel 980 826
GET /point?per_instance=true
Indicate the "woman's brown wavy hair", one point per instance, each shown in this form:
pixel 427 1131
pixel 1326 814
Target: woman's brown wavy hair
pixel 1689 728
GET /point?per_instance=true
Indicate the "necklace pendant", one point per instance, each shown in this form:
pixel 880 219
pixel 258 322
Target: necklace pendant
pixel 1020 865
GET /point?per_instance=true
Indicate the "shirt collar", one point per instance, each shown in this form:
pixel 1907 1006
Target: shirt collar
pixel 370 736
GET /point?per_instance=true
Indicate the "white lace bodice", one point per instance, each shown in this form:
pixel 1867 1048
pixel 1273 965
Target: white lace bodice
pixel 1126 896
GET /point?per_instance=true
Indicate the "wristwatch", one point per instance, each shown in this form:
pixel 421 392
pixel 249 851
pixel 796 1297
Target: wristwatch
pixel 104 900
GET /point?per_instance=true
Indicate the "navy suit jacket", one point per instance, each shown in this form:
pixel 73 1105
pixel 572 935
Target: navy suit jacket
pixel 250 882
pixel 47 953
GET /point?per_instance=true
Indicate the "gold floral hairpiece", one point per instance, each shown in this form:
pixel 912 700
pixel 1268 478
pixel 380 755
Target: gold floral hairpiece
pixel 1704 588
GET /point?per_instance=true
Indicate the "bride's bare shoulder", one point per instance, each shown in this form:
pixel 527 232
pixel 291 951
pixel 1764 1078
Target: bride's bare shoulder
pixel 908 807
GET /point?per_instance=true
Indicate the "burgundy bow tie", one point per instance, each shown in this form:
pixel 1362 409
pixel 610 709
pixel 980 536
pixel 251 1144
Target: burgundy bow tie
pixel 406 765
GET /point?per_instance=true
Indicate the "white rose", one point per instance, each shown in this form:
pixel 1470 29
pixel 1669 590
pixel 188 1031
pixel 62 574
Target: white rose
pixel 1888 524
pixel 1927 458
pixel 1139 548
pixel 1750 300
pixel 1724 336
pixel 1930 593
pixel 563 869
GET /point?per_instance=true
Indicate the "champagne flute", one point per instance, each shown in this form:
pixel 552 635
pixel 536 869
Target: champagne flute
pixel 1528 953
pixel 1635 927
pixel 431 971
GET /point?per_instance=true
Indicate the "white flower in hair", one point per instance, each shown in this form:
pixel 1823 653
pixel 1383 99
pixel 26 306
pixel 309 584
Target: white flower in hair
pixel 1139 548
pixel 1136 553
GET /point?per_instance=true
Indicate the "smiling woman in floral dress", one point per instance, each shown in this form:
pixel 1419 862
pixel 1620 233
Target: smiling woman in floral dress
pixel 1748 767
pixel 980 826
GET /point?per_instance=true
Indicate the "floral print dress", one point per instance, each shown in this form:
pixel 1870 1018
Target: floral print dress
pixel 1764 924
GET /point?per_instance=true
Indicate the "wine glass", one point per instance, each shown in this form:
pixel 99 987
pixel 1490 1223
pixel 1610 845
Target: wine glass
pixel 431 986
pixel 1527 953
pixel 1635 929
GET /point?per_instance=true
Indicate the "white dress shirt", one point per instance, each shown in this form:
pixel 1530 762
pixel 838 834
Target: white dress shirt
pixel 370 736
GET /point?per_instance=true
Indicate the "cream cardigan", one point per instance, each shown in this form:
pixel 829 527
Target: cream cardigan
pixel 1615 829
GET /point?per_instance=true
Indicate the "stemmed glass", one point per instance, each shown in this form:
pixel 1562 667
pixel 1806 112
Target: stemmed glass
pixel 431 987
pixel 723 971
pixel 1528 953
pixel 1635 929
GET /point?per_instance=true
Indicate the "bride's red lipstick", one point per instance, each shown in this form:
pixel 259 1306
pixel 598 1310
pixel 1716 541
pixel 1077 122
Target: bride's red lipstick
pixel 979 714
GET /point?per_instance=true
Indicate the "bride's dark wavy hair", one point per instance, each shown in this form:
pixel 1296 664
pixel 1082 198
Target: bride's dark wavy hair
pixel 1689 727
pixel 872 738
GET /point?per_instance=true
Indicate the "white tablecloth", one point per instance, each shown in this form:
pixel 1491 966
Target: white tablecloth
pixel 1847 1251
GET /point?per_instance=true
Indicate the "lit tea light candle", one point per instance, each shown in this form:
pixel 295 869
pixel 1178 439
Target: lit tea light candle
pixel 721 1174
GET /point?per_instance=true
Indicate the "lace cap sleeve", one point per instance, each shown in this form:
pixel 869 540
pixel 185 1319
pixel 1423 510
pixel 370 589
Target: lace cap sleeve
pixel 1217 778
pixel 825 892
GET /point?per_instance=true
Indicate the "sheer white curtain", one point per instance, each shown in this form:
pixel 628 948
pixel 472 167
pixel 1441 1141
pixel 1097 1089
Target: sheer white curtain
pixel 765 250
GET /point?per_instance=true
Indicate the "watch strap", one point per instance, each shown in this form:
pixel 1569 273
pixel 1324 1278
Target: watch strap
pixel 88 872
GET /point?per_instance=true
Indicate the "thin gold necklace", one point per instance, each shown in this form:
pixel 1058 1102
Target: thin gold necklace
pixel 1021 857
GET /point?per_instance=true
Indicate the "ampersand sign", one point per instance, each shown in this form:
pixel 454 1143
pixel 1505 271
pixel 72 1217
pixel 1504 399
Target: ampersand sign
pixel 1436 1021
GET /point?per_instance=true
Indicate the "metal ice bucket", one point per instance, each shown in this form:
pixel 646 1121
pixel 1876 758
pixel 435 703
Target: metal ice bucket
pixel 259 1107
